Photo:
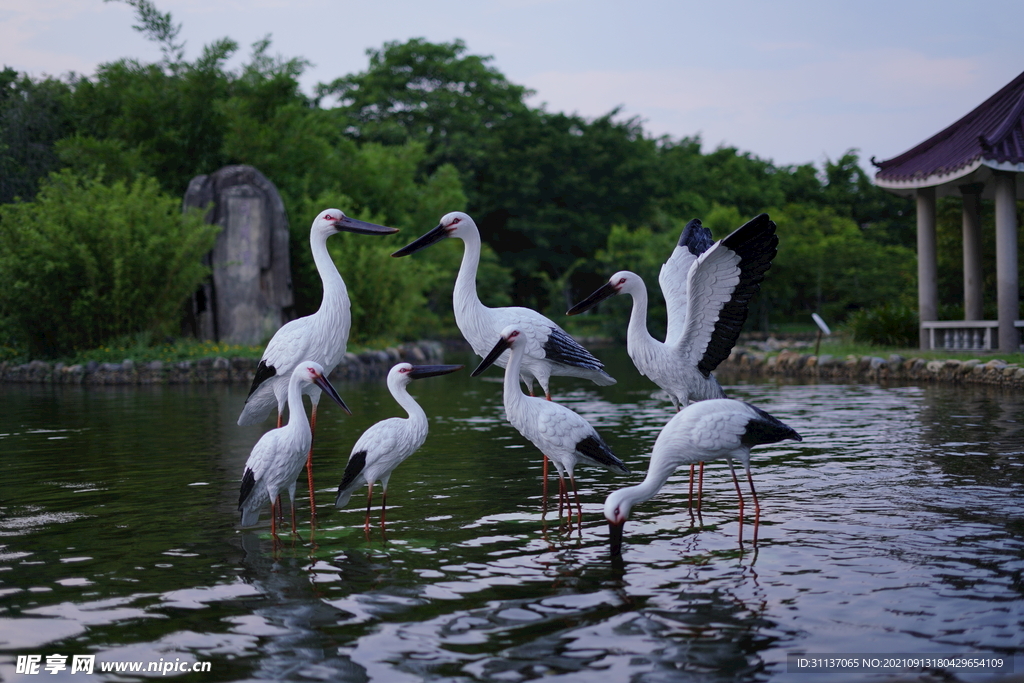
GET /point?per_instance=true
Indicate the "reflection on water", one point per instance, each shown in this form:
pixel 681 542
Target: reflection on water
pixel 896 526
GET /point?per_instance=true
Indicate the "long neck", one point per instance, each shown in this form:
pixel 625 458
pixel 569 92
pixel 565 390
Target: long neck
pixel 404 399
pixel 297 419
pixel 513 391
pixel 657 474
pixel 465 295
pixel 335 292
pixel 638 339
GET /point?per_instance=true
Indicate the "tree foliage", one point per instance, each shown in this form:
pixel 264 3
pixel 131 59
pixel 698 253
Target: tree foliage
pixel 86 262
pixel 562 200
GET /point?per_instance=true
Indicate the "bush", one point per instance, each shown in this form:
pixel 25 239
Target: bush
pixel 86 262
pixel 885 325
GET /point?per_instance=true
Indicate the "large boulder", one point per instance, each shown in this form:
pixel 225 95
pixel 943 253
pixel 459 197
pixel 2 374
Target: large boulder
pixel 246 299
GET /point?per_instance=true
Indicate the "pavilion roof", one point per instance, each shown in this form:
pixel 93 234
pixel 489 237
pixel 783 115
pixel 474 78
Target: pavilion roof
pixel 991 135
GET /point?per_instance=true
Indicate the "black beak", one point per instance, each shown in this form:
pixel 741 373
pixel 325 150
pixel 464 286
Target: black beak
pixel 421 371
pixel 362 227
pixel 498 349
pixel 435 235
pixel 615 538
pixel 604 292
pixel 322 382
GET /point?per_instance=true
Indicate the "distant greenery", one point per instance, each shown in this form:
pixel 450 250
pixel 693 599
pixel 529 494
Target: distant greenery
pixel 87 261
pixel 562 201
pixel 885 325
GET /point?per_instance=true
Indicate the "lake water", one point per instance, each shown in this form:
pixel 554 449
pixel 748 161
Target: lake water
pixel 896 527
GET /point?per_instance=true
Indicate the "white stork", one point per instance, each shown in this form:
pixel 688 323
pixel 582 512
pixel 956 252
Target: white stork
pixel 706 430
pixel 560 434
pixel 277 458
pixel 707 289
pixel 385 445
pixel 321 337
pixel 549 350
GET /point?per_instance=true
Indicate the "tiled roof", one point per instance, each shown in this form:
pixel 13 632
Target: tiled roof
pixel 991 134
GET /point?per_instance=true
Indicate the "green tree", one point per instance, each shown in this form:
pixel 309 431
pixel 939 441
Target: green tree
pixel 86 262
pixel 33 115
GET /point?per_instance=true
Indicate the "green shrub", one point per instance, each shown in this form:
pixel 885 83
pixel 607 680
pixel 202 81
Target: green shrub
pixel 885 325
pixel 86 262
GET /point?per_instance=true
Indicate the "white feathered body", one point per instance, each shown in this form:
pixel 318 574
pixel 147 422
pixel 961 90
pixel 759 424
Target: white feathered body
pixel 386 444
pixel 549 350
pixel 277 459
pixel 704 431
pixel 321 337
pixel 707 290
pixel 562 435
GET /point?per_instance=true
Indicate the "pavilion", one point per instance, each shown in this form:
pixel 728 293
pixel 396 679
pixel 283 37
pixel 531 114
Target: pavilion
pixel 979 156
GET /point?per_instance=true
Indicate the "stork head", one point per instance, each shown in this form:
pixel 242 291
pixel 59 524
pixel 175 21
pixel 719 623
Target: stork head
pixel 331 221
pixel 454 224
pixel 511 336
pixel 616 511
pixel 313 373
pixel 403 373
pixel 622 281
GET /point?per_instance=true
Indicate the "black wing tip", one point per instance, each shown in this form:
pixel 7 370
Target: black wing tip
pixel 355 466
pixel 560 347
pixel 765 428
pixel 597 450
pixel 248 484
pixel 263 373
pixel 696 237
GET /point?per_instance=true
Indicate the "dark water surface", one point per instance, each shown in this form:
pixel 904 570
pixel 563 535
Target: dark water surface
pixel 897 526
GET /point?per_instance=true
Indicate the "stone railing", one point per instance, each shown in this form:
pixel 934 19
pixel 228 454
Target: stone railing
pixel 970 335
pixel 209 370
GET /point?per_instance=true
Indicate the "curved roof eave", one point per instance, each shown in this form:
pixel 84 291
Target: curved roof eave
pixel 949 183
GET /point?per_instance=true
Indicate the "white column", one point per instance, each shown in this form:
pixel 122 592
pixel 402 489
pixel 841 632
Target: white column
pixel 1006 260
pixel 973 276
pixel 927 262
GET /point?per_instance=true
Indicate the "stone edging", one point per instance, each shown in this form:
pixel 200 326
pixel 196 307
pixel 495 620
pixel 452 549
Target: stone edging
pixel 210 370
pixel 873 368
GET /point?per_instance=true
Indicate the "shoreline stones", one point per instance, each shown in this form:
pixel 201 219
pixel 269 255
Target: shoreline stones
pixel 210 370
pixel 873 368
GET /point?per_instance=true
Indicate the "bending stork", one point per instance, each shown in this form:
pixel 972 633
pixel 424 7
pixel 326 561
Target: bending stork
pixel 707 430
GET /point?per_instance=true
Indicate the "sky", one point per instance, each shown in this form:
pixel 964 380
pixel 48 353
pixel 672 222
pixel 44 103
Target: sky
pixel 790 81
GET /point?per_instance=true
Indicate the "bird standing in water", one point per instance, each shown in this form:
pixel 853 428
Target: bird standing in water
pixel 706 430
pixel 707 289
pixel 560 434
pixel 277 458
pixel 321 337
pixel 385 445
pixel 549 350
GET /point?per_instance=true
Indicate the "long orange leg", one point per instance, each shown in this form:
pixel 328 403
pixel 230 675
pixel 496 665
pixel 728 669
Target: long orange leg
pixel 739 493
pixel 309 470
pixel 369 501
pixel 700 487
pixel 579 508
pixel 273 521
pixel 383 507
pixel 689 497
pixel 545 476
